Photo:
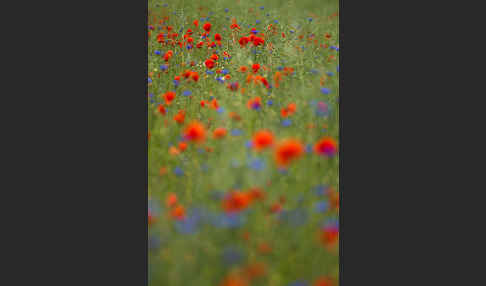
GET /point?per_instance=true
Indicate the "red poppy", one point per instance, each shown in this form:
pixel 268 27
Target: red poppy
pixel 217 37
pixel 326 147
pixel 255 68
pixel 161 109
pixel 195 132
pixel 207 27
pixel 288 151
pixel 169 97
pixel 219 133
pixel 209 63
pixel 262 139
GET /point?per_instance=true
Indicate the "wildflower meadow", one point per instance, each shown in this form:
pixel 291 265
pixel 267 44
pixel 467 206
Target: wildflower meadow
pixel 243 143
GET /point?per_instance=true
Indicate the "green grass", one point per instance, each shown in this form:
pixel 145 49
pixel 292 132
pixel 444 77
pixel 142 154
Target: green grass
pixel 179 259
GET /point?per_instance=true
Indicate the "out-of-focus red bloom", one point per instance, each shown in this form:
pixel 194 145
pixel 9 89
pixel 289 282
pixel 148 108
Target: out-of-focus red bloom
pixel 196 23
pixel 214 57
pixel 262 139
pixel 161 109
pixel 195 132
pixel 169 97
pixel 217 37
pixel 178 212
pixel 255 67
pixel 234 86
pixel 234 280
pixel 323 281
pixel 243 69
pixel 199 45
pixel 234 25
pixel 171 200
pixel 254 103
pixel 288 151
pixel 243 41
pixel 195 76
pixel 219 133
pixel 180 116
pixel 326 147
pixel 236 201
pixel 257 41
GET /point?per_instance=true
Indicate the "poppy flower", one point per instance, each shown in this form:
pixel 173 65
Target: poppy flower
pixel 207 27
pixel 161 109
pixel 169 97
pixel 174 151
pixel 180 116
pixel 214 57
pixel 182 146
pixel 199 45
pixel 243 69
pixel 219 133
pixel 196 23
pixel 255 270
pixel 277 78
pixel 254 103
pixel 171 200
pixel 255 68
pixel 209 63
pixel 324 281
pixel 233 86
pixel 217 37
pixel 235 116
pixel 243 41
pixel 195 76
pixel 214 104
pixel 236 201
pixel 288 151
pixel 234 25
pixel 195 132
pixel 151 218
pixel 257 41
pixel 234 281
pixel 326 147
pixel 262 139
pixel 178 212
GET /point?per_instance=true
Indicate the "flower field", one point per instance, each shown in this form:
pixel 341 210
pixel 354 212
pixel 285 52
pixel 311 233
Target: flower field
pixel 243 145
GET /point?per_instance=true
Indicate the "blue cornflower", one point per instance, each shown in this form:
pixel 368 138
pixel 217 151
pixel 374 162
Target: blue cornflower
pixel 236 132
pixel 249 144
pixel 321 206
pixel 299 283
pixel 330 73
pixel 262 7
pixel 225 71
pixel 157 52
pixel 257 164
pixel 258 21
pixel 275 21
pixel 325 90
pixel 186 93
pixel 309 19
pixel 232 255
pixel 226 10
pixel 176 83
pixel 209 72
pixel 221 110
pixel 178 171
pixel 164 67
pixel 269 102
pixel 286 122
